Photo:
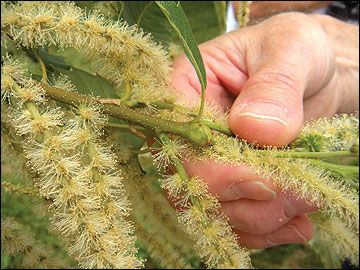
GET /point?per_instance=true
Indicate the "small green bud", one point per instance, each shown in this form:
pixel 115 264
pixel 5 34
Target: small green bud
pixel 198 134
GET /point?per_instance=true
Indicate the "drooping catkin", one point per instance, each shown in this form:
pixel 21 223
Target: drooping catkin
pixel 89 204
pixel 216 244
pixel 16 240
pixel 334 239
pixel 107 239
pixel 152 210
pixel 338 133
pixel 299 177
pixel 198 212
pixel 119 52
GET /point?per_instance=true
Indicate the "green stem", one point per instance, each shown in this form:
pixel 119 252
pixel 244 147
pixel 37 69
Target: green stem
pixel 202 107
pixel 197 133
pixel 344 171
pixel 161 104
pixel 126 128
pixel 218 127
pixel 316 155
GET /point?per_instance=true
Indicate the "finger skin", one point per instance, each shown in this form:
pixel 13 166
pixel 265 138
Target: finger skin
pixel 262 77
pixel 260 9
pixel 259 217
pixel 273 76
pixel 258 210
pixel 297 230
pixel 221 178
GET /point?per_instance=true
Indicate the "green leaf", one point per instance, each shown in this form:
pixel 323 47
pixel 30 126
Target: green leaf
pixel 88 84
pixel 178 20
pixel 73 58
pixel 148 16
pixel 207 18
pixel 51 60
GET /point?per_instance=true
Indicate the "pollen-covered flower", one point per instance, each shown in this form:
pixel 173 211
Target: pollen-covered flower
pixel 171 150
pixel 109 185
pixel 26 124
pixel 30 92
pixel 63 82
pixel 11 70
pixel 335 134
pixel 196 187
pixel 192 217
pixel 173 184
pixel 88 116
pixel 341 242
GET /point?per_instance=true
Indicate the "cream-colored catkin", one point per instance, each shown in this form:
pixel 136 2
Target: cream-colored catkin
pixel 243 13
pixel 334 239
pixel 92 212
pixel 153 210
pixel 162 251
pixel 198 212
pixel 338 133
pixel 16 240
pixel 120 53
pixel 100 206
pixel 216 243
pixel 295 175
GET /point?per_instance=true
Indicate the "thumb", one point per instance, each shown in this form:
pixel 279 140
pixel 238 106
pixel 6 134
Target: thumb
pixel 289 59
pixel 269 109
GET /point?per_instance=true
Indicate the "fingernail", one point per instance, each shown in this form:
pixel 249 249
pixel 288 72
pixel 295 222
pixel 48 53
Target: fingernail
pixel 293 206
pixel 252 190
pixel 289 208
pixel 286 235
pixel 265 110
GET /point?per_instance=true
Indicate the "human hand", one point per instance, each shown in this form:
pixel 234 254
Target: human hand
pixel 264 9
pixel 273 76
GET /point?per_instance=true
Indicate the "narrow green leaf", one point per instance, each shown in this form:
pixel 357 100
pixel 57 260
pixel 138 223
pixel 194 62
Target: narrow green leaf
pixel 178 20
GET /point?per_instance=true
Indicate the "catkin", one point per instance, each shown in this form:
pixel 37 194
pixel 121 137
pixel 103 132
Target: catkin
pixel 89 204
pixel 119 52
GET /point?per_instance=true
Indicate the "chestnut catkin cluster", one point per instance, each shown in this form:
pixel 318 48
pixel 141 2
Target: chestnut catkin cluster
pixel 120 53
pixel 298 176
pixel 75 169
pixel 198 212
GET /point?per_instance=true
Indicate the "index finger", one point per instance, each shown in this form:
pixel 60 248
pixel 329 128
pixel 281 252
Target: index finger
pixel 224 72
pixel 232 182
